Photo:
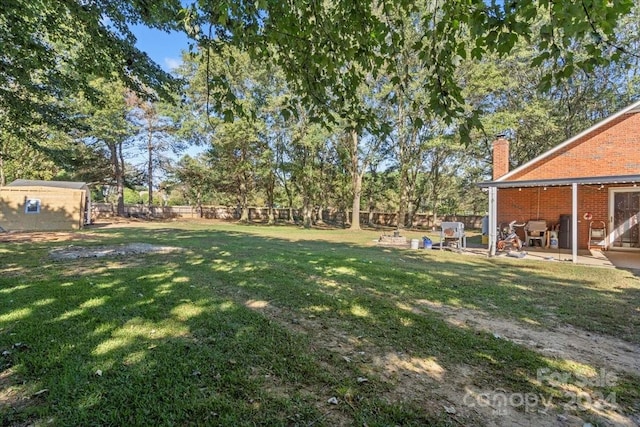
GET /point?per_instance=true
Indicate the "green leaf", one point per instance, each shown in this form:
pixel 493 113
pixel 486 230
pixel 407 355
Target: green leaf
pixel 418 123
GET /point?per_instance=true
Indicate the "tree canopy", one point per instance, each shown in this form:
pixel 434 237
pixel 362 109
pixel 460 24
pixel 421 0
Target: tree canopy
pixel 308 103
pixel 326 49
pixel 52 49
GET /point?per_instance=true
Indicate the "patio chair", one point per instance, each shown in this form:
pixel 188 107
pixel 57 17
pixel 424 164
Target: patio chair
pixel 453 232
pixel 535 230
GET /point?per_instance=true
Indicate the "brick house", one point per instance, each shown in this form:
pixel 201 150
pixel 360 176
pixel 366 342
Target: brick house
pixel 590 177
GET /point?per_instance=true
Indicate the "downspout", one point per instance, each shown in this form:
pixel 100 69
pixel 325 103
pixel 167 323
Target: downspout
pixel 493 220
pixel 574 222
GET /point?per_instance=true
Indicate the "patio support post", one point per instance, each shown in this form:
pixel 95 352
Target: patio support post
pixel 493 219
pixel 574 222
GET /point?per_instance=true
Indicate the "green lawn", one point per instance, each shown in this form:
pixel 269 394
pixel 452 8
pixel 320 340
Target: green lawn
pixel 263 325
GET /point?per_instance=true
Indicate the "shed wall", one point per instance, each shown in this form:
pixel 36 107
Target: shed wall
pixel 60 209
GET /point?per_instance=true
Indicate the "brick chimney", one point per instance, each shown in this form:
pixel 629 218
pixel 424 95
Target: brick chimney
pixel 500 156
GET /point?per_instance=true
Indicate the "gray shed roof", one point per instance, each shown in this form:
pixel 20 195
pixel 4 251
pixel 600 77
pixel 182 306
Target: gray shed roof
pixel 55 184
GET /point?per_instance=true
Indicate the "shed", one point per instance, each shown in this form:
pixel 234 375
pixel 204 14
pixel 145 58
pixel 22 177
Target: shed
pixel 591 178
pixel 33 205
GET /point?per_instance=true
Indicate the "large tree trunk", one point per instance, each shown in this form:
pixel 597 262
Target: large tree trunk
pixel 243 201
pixel 117 168
pixel 2 177
pixel 402 213
pixel 307 212
pixel 355 208
pixel 199 204
pixel 434 203
pixel 318 215
pixel 412 179
pixel 356 182
pixel 150 168
pixel 270 189
pixel 402 159
pixel 120 180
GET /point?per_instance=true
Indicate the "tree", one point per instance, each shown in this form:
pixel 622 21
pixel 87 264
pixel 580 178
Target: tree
pixel 232 159
pixel 45 152
pixel 506 89
pixel 306 149
pixel 283 166
pixel 240 153
pixel 327 50
pixel 53 49
pixel 327 61
pixel 439 162
pixel 360 152
pixel 373 189
pixel 158 124
pixel 23 161
pixel 196 179
pixel 403 104
pixel 109 129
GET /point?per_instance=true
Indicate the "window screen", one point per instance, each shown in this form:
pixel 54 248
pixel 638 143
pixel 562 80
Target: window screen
pixel 32 206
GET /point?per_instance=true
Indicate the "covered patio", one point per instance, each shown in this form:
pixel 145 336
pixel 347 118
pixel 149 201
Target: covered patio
pixel 587 194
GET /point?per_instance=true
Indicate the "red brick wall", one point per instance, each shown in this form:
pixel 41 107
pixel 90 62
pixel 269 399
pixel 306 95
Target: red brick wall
pixel 610 150
pixel 539 204
pixel 613 149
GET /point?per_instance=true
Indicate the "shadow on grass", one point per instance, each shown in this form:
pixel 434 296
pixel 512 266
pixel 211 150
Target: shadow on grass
pixel 169 339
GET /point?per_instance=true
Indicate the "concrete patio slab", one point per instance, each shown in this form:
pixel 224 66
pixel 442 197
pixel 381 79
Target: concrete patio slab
pixel 612 259
pixel 624 259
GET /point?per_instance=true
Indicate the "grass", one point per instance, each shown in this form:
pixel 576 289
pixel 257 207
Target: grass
pixel 263 325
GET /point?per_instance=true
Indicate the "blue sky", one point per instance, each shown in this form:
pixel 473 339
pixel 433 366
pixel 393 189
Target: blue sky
pixel 164 48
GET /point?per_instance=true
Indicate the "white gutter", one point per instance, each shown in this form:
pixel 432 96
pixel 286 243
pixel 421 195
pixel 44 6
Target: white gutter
pixel 574 222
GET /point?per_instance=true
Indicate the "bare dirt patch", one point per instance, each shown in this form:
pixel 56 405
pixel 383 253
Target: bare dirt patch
pixel 80 235
pixel 457 392
pixel 75 252
pixel 566 342
pixel 46 236
pixel 15 396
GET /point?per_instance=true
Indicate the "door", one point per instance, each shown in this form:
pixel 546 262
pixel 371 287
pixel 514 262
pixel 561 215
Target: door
pixel 624 218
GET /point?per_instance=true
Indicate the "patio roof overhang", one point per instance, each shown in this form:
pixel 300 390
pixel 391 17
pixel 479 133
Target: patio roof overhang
pixel 593 180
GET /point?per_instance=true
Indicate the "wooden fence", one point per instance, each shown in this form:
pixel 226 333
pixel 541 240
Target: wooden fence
pixel 259 214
